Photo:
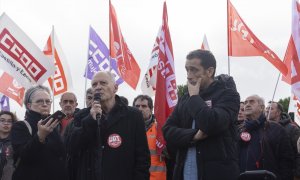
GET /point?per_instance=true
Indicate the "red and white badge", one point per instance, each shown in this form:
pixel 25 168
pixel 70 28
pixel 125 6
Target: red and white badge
pixel 245 136
pixel 114 140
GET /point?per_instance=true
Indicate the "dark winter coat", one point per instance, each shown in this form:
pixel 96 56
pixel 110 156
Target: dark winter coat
pixel 214 110
pixel 37 161
pixel 6 159
pixel 96 155
pixel 268 149
pixel 294 133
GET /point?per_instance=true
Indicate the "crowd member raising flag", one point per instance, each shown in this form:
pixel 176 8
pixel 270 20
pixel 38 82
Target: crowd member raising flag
pixel 61 82
pixel 166 89
pixel 4 103
pixel 242 42
pixel 20 57
pixel 204 45
pixel 127 66
pixel 98 58
pixel 11 88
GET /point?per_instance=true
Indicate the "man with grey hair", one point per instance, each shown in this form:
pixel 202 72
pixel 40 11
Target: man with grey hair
pixel 110 137
pixel 89 97
pixel 264 145
pixel 68 104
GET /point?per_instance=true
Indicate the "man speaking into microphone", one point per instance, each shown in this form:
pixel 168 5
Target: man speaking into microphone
pixel 110 140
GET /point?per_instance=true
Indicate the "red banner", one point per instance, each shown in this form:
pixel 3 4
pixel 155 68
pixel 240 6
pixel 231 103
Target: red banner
pixel 127 66
pixel 166 89
pixel 11 88
pixel 242 41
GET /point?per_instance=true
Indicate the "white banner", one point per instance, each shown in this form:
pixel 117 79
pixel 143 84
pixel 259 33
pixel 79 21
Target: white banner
pixel 20 57
pixel 62 77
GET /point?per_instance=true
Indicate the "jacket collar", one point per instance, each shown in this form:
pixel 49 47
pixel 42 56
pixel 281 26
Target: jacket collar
pixel 118 111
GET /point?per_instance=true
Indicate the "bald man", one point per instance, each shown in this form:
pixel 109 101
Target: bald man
pixel 113 134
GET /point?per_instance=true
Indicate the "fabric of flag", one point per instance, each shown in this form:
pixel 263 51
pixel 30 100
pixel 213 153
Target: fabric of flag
pixel 204 45
pixel 149 81
pixel 11 88
pixel 4 103
pixel 291 58
pixel 20 57
pixel 294 107
pixel 62 79
pixel 127 66
pixel 166 88
pixel 98 58
pixel 242 42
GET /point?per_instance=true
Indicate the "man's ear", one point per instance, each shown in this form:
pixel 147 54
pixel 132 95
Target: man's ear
pixel 28 105
pixel 211 71
pixel 116 86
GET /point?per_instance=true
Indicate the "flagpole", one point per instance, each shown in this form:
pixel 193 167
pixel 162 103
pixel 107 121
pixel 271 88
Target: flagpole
pixel 109 33
pixel 53 56
pixel 274 93
pixel 86 68
pixel 228 59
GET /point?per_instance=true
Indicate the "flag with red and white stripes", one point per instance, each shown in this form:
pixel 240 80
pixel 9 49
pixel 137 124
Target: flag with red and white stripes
pixel 166 89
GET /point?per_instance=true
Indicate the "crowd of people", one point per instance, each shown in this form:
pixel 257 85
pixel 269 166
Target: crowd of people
pixel 210 135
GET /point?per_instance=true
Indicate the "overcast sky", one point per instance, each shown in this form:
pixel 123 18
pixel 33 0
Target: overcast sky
pixel 189 20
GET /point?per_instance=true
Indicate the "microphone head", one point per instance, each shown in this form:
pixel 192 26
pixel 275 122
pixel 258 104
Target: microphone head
pixel 97 97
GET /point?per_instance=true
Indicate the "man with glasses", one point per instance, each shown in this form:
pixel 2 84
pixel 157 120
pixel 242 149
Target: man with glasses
pixel 68 104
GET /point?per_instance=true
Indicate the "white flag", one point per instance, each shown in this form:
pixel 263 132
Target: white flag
pixel 149 81
pixel 294 107
pixel 62 77
pixel 20 57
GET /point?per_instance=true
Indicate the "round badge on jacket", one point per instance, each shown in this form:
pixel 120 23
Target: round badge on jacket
pixel 114 140
pixel 245 136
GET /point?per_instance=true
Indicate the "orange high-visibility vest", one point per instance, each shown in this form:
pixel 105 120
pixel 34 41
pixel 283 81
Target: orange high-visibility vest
pixel 158 170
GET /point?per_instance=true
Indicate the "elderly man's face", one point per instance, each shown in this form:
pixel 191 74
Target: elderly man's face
pixel 68 103
pixel 253 107
pixel 104 84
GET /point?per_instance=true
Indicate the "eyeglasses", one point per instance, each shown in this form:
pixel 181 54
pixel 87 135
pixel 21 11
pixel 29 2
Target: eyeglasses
pixel 68 101
pixel 4 121
pixel 43 101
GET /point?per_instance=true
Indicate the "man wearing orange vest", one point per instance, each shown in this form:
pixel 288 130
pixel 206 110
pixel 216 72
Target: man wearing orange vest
pixel 158 166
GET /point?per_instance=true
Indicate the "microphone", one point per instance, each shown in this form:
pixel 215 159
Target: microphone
pixel 97 97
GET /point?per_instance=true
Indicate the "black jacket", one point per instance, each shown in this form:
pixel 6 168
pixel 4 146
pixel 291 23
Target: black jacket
pixel 268 149
pixel 6 159
pixel 294 133
pixel 214 110
pixel 98 159
pixel 37 161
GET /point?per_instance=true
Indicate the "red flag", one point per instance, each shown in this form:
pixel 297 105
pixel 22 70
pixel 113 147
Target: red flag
pixel 291 58
pixel 166 89
pixel 242 42
pixel 62 77
pixel 292 62
pixel 128 67
pixel 11 88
